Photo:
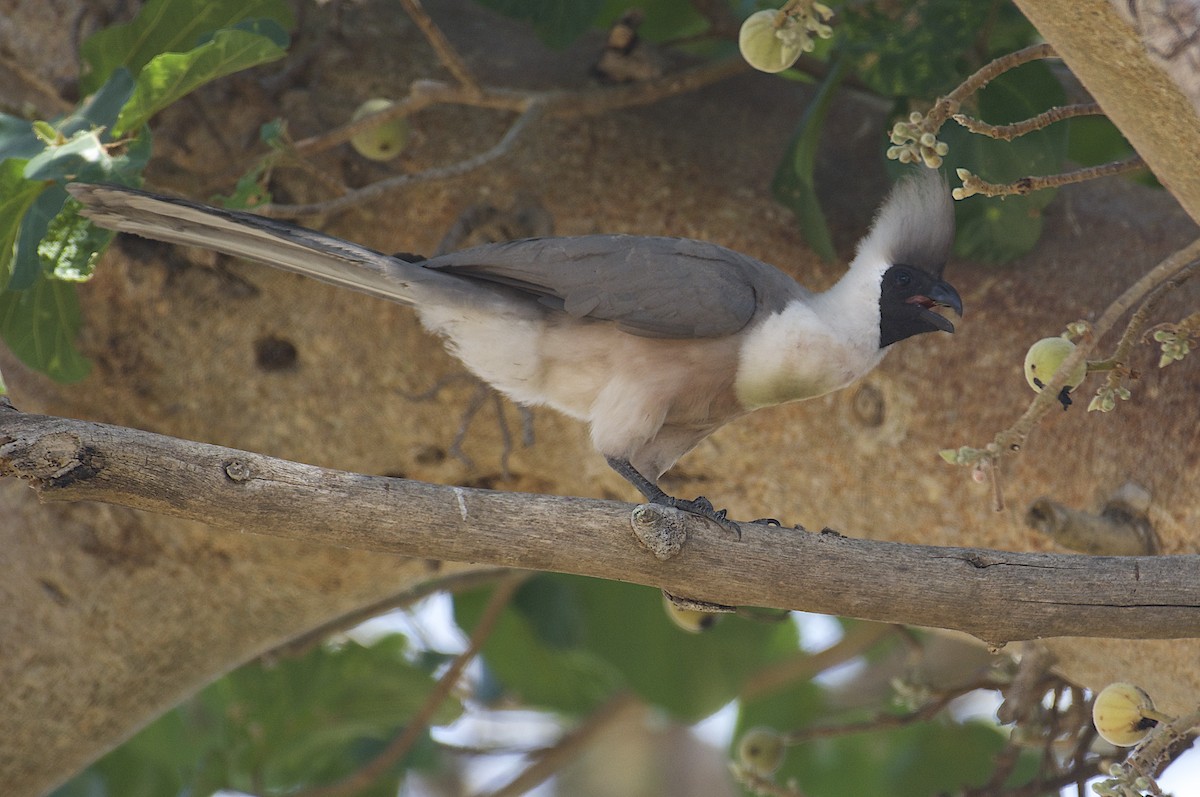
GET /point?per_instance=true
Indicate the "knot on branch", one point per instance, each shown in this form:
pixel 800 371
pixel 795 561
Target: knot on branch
pixel 53 461
pixel 660 529
pixel 238 470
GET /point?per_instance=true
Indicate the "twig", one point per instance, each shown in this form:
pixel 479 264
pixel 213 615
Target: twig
pixel 1137 322
pixel 949 105
pixel 552 759
pixel 38 84
pixel 427 93
pixel 885 720
pixel 449 584
pixel 441 45
pixel 972 184
pixel 805 666
pixel 376 189
pixel 400 746
pixel 1017 129
pixel 1012 438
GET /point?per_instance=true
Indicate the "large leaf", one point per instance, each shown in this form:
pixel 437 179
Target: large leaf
pixel 83 156
pixel 793 183
pixel 17 195
pixel 270 729
pixel 40 325
pixel 171 76
pixel 556 22
pixel 615 634
pixel 17 139
pixel 168 26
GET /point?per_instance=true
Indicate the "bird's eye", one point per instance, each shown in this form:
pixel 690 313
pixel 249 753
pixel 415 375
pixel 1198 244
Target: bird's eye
pixel 903 278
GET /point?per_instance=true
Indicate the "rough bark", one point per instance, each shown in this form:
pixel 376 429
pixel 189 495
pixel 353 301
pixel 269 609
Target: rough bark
pixel 110 615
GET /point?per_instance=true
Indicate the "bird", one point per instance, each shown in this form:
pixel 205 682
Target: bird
pixel 654 342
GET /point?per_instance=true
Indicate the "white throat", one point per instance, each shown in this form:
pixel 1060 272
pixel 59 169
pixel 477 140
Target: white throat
pixel 816 344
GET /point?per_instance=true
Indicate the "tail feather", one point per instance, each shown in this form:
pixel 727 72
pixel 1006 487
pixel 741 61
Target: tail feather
pixel 270 241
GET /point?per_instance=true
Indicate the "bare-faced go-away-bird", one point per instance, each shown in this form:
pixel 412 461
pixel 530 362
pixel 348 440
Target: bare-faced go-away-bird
pixel 654 342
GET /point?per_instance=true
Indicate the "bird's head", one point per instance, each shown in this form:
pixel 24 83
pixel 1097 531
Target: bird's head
pixel 908 246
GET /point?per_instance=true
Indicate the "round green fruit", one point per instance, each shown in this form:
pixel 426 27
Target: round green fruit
pixel 1043 359
pixel 768 48
pixel 382 142
pixel 1123 714
pixel 760 750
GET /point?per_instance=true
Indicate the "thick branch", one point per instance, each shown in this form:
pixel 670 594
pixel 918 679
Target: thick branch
pixel 995 595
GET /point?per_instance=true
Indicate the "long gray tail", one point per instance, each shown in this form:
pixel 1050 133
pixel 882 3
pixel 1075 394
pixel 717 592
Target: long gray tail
pixel 275 243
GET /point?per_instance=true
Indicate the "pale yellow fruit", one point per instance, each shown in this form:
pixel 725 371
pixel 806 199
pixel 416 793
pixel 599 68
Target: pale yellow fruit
pixel 771 49
pixel 760 750
pixel 1120 714
pixel 1043 359
pixel 382 142
pixel 689 620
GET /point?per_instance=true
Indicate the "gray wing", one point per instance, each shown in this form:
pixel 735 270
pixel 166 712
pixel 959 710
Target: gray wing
pixel 652 287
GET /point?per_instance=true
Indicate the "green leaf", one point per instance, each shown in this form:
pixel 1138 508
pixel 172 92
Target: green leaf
pixel 926 758
pixel 17 139
pixel 276 728
pixel 17 195
pixel 83 156
pixel 170 76
pixel 168 26
pixel 556 22
pixel 100 110
pixel 1094 140
pixel 793 183
pixel 27 266
pixel 72 245
pixel 40 325
pixel 532 671
pixel 569 643
pixel 913 48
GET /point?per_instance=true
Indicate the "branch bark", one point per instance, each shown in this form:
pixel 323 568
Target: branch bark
pixel 994 595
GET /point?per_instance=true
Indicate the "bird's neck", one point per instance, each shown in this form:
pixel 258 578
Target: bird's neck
pixel 814 345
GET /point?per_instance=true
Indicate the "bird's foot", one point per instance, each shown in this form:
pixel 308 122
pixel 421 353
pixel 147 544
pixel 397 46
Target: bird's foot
pixel 703 507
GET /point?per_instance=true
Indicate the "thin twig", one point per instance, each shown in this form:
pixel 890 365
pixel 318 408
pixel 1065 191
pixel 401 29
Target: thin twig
pixel 400 746
pixel 35 82
pixel 562 103
pixel 1137 322
pixel 552 759
pixel 805 666
pixel 1042 120
pixel 376 189
pixel 949 105
pixel 972 184
pixel 441 45
pixel 1010 440
pixel 885 720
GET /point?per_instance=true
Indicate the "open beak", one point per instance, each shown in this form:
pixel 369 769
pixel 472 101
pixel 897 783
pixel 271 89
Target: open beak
pixel 942 294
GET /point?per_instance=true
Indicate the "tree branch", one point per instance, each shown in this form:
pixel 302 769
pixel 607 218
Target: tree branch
pixel 997 596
